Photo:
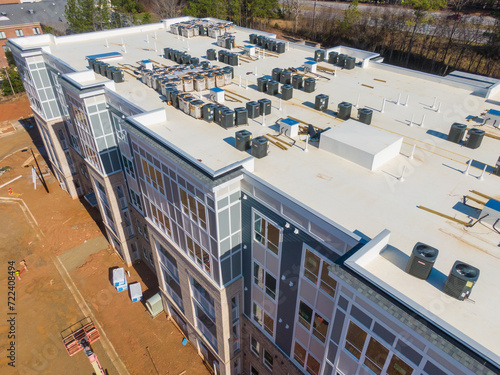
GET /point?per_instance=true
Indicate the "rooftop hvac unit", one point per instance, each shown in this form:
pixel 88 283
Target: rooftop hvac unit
pixel 135 292
pixel 253 109
pixel 218 114
pixel 474 138
pixel 422 260
pixel 253 38
pixel 209 112
pixel 243 140
pixel 227 118
pixel 457 132
pixel 341 60
pixel 321 103
pixel 119 277
pixel 280 47
pixel 195 108
pixel 219 79
pixel 365 115
pixel 496 171
pixel 272 87
pixel 200 83
pixel 91 63
pixel 262 84
pixel 271 45
pixel 210 81
pixel 460 281
pixel 97 67
pixel 174 98
pixel 319 55
pixel 260 146
pixel 276 74
pixel 286 92
pixel 229 69
pixel 350 62
pixel 344 110
pixel 297 81
pixel 333 57
pixel 103 68
pixel 241 116
pixel 154 305
pixel 232 59
pixel 309 85
pixel 286 77
pixel 188 84
pixel 265 106
pixel 118 75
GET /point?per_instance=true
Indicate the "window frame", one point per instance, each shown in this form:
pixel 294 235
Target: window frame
pixel 266 361
pixel 274 249
pixel 19 32
pixel 255 350
pixel 321 282
pixel 3 35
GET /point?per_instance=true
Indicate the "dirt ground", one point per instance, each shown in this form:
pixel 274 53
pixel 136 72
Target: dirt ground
pixel 69 266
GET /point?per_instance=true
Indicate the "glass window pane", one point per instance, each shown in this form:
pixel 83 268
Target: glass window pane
pixel 320 327
pixel 260 229
pixel 305 315
pixel 268 324
pixel 273 237
pixel 327 283
pixel 376 355
pixel 313 365
pixel 311 264
pixel 257 313
pixel 398 367
pixel 299 353
pixel 270 286
pixel 258 274
pixel 355 340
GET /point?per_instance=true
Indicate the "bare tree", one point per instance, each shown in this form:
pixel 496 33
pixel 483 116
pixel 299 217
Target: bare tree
pixel 294 8
pixel 167 8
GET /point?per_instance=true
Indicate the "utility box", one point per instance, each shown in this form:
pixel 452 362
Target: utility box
pixel 217 95
pixel 119 277
pixel 289 127
pixel 310 67
pixel 146 64
pixel 250 50
pixel 135 292
pixel 243 140
pixel 492 117
pixel 253 109
pixel 260 146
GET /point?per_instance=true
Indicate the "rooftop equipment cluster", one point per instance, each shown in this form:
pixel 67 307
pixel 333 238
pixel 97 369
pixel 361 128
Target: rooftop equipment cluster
pixel 270 44
pixel 341 60
pixel 223 56
pixel 194 28
pixel 106 70
pixel 180 57
pixel 473 138
pixel 226 41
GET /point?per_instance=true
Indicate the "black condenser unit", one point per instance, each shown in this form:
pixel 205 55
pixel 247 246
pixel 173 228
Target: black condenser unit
pixel 241 114
pixel 265 106
pixel 474 138
pixel 260 146
pixel 319 55
pixel 365 115
pixel 209 112
pixel 276 74
pixel 344 110
pixel 227 118
pixel 286 77
pixel 253 109
pixel 286 92
pixel 460 281
pixel 333 57
pixel 341 60
pixel 242 140
pixel 262 84
pixel 422 260
pixel 280 47
pixel 309 85
pixel 272 87
pixel 321 103
pixel 457 132
pixel 297 81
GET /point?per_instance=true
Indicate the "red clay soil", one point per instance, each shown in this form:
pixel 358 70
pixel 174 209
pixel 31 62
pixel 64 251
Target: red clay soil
pixel 15 109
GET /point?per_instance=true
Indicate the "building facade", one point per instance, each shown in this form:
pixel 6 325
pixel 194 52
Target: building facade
pixel 257 280
pixel 15 31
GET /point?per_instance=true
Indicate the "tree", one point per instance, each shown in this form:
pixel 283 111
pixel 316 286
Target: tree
pixel 294 8
pixel 87 15
pixel 420 8
pixel 167 8
pixel 351 16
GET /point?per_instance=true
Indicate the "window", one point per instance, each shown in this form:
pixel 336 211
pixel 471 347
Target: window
pixel 139 227
pixel 36 30
pixel 257 313
pixel 193 208
pixel 268 360
pixel 375 356
pixel 299 353
pixel 253 371
pixel 312 266
pixel 312 365
pixel 161 220
pixel 19 32
pixel 268 324
pixel 2 35
pixel 355 340
pixel 320 327
pixel 267 234
pixel 398 367
pixel 199 254
pixel 262 278
pixel 146 233
pixel 254 346
pixel 153 176
pixel 129 167
pixel 305 315
pixel 135 200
